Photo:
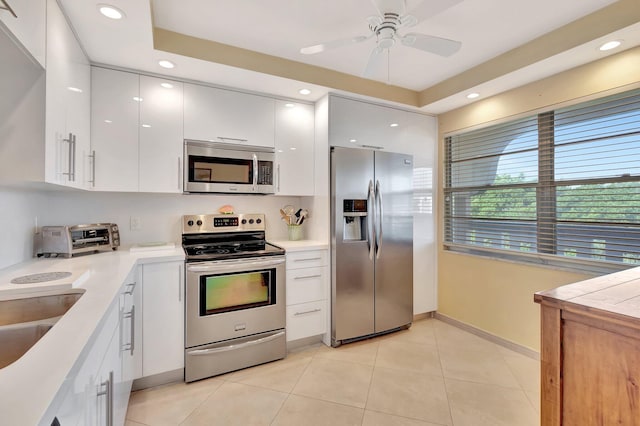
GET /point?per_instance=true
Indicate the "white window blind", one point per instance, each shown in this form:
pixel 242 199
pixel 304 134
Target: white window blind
pixel 564 183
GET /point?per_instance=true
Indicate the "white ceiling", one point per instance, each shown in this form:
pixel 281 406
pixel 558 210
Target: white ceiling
pixel 280 28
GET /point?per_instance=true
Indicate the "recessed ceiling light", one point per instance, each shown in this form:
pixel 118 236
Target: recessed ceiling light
pixel 280 150
pixel 473 95
pixel 305 91
pixel 293 148
pixel 610 45
pixel 167 85
pixel 111 12
pixel 74 89
pixel 108 121
pixel 166 64
pixel 393 125
pixel 137 99
pixel 146 125
pixel 289 105
pixel 353 140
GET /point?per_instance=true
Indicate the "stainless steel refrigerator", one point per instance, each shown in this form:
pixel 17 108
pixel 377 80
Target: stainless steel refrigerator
pixel 371 243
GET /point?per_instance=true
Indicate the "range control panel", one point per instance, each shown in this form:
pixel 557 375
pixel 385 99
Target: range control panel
pixel 206 223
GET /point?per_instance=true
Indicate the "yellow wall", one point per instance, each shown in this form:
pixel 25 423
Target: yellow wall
pixel 497 296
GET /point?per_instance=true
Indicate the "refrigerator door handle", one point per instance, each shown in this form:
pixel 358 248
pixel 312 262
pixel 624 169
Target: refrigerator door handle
pixel 379 216
pixel 371 220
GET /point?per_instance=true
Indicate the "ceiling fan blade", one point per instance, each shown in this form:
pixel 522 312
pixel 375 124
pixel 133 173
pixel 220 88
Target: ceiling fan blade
pixel 312 50
pixel 439 46
pixel 375 59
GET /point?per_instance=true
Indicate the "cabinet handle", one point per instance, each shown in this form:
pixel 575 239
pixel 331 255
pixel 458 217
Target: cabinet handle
pixel 255 172
pixel 305 277
pixel 307 259
pixel 6 6
pixel 108 392
pixel 131 315
pixel 179 173
pixel 93 168
pixel 131 287
pixel 307 312
pixel 278 178
pixel 224 138
pixel 180 281
pixel 69 172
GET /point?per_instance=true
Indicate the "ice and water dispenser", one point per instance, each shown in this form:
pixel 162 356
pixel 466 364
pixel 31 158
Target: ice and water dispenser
pixel 354 220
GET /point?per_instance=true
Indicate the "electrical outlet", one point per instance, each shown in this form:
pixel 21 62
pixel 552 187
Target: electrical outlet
pixel 136 223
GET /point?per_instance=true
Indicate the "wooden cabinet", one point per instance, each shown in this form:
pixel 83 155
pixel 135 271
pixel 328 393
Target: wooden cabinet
pixel 162 317
pixel 294 139
pixel 29 26
pixel 68 86
pixel 307 292
pixel 161 141
pixel 590 369
pixel 114 130
pixel 220 115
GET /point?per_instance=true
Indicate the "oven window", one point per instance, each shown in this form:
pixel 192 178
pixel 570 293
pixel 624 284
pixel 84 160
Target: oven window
pixel 231 292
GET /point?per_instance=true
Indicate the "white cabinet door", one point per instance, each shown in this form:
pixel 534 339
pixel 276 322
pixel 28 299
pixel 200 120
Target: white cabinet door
pixel 80 405
pixel 114 129
pixel 162 317
pixel 294 133
pixel 67 103
pixel 29 27
pixel 226 116
pixel 161 135
pixel 360 124
pixel 110 397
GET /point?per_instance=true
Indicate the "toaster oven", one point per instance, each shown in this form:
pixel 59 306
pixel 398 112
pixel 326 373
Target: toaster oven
pixel 68 241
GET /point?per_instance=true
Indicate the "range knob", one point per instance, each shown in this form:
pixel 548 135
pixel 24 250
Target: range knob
pixel 190 223
pixel 199 222
pixel 258 221
pixel 251 221
pixel 244 221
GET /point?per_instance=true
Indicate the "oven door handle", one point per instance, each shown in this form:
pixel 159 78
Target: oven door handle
pixel 233 266
pixel 201 352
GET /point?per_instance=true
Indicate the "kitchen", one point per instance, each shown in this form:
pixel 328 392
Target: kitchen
pixel 159 220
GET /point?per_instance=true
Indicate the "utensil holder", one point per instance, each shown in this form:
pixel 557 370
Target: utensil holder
pixel 294 232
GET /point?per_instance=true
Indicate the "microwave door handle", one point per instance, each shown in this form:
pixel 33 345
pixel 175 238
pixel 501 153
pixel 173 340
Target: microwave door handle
pixel 255 171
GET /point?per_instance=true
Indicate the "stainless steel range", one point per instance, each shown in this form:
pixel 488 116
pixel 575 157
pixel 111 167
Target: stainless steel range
pixel 235 301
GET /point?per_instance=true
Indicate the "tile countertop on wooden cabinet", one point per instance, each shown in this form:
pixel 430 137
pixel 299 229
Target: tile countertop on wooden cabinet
pixel 29 386
pixel 590 368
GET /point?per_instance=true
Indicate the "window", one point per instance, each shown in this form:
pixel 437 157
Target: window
pixel 564 184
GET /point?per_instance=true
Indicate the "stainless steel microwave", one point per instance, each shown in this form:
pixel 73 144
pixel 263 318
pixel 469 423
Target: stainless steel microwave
pixel 228 168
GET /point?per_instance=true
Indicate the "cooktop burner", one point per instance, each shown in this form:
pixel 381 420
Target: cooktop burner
pixel 219 237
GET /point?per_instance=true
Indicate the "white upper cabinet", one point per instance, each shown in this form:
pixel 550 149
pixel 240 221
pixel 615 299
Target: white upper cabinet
pixel 226 116
pixel 68 97
pixel 294 134
pixel 114 130
pixel 360 124
pixel 28 26
pixel 161 137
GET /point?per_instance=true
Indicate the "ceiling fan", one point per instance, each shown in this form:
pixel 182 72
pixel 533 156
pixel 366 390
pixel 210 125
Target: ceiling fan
pixel 392 17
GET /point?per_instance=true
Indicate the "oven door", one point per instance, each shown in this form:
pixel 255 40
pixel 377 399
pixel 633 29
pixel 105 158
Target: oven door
pixel 226 168
pixel 234 298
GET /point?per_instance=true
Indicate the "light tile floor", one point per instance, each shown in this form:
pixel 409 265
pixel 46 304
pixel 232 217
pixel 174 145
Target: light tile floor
pixel 432 374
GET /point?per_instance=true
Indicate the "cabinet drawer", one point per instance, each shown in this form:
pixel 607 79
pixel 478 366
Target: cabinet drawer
pixel 306 285
pixel 306 320
pixel 306 259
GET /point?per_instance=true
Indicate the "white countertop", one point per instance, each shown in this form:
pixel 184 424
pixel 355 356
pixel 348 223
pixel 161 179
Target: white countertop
pixel 302 245
pixel 29 385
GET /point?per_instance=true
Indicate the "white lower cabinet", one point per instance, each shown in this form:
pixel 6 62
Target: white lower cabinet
pixel 91 390
pixel 162 317
pixel 307 292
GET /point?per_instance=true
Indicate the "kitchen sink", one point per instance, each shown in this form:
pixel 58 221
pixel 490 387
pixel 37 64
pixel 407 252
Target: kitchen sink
pixel 25 320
